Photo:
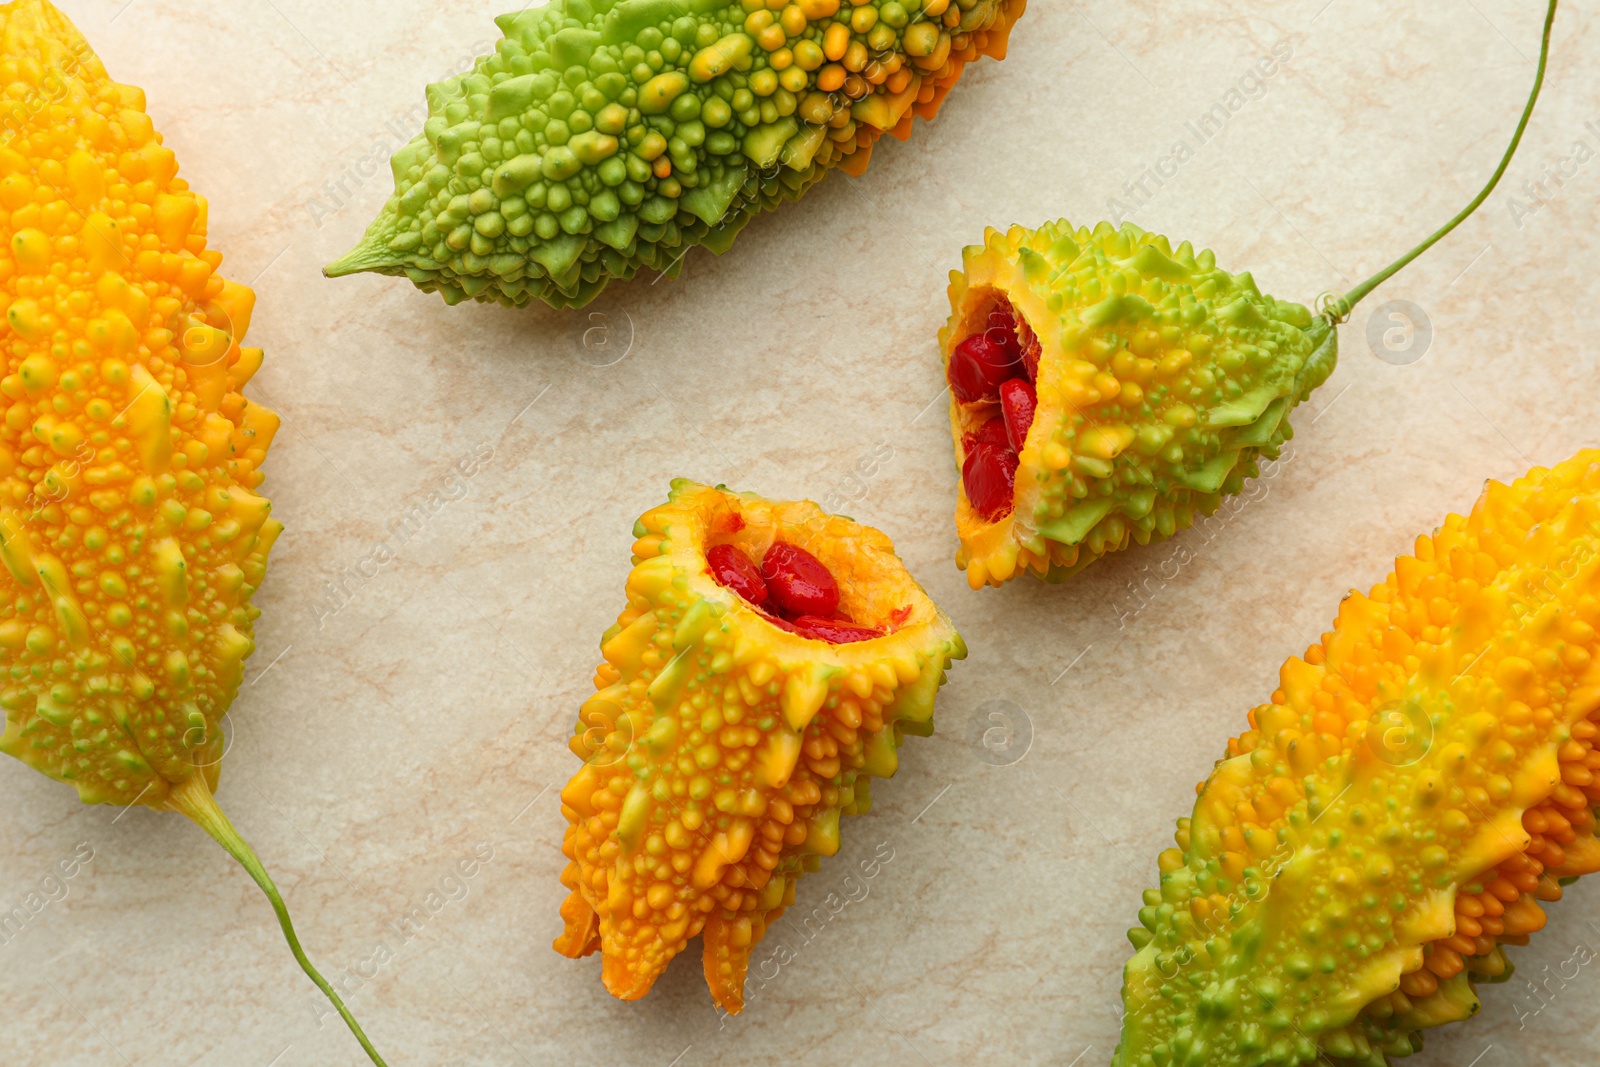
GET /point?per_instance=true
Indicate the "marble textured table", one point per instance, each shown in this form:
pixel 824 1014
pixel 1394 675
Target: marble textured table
pixel 399 718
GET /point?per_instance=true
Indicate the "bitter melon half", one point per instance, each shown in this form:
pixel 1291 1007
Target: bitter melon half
pixel 1107 388
pixel 726 740
pixel 603 137
pixel 1419 783
pixel 130 527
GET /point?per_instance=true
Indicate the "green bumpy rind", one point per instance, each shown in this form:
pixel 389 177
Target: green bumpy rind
pixel 1162 380
pixel 604 137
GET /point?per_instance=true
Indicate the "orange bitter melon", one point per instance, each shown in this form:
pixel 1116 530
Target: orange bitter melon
pixel 603 137
pixel 130 527
pixel 720 748
pixel 1420 783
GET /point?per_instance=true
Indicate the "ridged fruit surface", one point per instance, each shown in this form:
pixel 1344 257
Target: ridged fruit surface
pixel 1161 379
pixel 602 138
pixel 721 750
pixel 130 528
pixel 1420 783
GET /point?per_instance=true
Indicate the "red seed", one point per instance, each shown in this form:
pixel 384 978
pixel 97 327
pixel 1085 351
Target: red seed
pixel 1017 404
pixel 992 432
pixel 1011 332
pixel 971 364
pixel 1030 350
pixel 798 582
pixel 733 570
pixel 989 476
pixel 978 366
pixel 1002 332
pixel 833 631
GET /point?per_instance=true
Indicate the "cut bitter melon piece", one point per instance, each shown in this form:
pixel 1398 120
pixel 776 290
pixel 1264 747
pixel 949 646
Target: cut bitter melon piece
pixel 603 137
pixel 1158 381
pixel 721 749
pixel 1108 388
pixel 1420 782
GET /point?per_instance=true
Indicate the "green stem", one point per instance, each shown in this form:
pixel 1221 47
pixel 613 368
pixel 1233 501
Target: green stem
pixel 194 800
pixel 1340 310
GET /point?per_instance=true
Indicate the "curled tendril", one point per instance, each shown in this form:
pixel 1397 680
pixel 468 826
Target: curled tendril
pixel 1334 307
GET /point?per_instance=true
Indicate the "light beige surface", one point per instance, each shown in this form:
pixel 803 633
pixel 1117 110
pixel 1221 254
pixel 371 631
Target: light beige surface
pixel 379 741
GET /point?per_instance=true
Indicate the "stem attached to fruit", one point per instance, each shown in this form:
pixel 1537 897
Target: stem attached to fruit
pixel 194 800
pixel 1340 309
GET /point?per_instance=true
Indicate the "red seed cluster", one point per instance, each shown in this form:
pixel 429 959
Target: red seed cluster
pixel 996 365
pixel 801 594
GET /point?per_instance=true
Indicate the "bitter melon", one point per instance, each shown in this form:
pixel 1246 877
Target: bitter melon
pixel 1159 379
pixel 720 748
pixel 130 525
pixel 1107 388
pixel 603 137
pixel 1420 781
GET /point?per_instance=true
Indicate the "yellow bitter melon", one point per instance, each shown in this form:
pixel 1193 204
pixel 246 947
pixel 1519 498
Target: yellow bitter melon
pixel 721 749
pixel 603 137
pixel 130 528
pixel 1419 782
pixel 1139 383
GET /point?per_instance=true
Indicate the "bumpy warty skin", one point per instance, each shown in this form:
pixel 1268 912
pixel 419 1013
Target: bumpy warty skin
pixel 1162 379
pixel 130 530
pixel 1422 779
pixel 720 750
pixel 602 138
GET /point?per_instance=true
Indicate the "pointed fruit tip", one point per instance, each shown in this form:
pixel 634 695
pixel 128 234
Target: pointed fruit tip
pixel 366 256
